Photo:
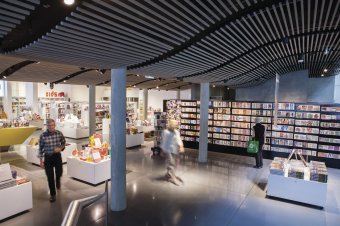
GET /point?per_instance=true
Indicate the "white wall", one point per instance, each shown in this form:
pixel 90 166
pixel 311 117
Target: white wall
pixel 156 97
pixel 186 94
pixel 294 87
pixel 2 88
pixel 18 89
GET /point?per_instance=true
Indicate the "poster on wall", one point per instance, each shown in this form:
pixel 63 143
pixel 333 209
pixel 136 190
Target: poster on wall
pixel 276 105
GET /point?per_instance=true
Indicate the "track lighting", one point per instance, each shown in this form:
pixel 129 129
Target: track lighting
pixel 325 70
pixel 326 51
pixel 69 2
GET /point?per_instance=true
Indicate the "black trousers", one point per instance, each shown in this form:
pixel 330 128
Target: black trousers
pixel 53 162
pixel 259 157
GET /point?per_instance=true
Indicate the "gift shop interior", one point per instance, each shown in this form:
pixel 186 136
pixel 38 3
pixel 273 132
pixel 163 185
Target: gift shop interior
pixel 251 89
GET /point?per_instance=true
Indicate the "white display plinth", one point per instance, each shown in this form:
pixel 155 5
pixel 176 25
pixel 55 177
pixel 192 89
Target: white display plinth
pixel 73 130
pixel 93 173
pixel 106 125
pixel 15 200
pixel 33 151
pixel 310 192
pixel 133 140
pixel 145 129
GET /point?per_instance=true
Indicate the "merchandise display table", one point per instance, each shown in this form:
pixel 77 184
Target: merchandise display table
pixel 37 123
pixel 310 192
pixel 297 182
pixel 15 200
pixel 73 130
pixel 15 135
pixel 133 140
pixel 90 172
pixel 32 153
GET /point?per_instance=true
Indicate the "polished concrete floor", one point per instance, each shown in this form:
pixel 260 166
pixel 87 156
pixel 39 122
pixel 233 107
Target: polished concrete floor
pixel 225 191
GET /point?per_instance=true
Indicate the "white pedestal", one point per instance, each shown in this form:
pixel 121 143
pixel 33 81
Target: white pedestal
pixel 33 151
pixel 93 173
pixel 15 200
pixel 106 125
pixel 310 192
pixel 73 130
pixel 134 139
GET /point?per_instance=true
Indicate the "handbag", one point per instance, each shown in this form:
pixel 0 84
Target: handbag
pixel 253 146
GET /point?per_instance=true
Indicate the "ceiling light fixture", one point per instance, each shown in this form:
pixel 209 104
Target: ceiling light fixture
pixel 214 86
pixel 326 51
pixel 227 88
pixel 300 59
pixel 4 76
pixel 325 70
pixel 69 2
pixel 157 87
pixel 134 86
pixel 138 75
pixel 38 62
pixel 149 77
pixel 64 80
pixel 322 75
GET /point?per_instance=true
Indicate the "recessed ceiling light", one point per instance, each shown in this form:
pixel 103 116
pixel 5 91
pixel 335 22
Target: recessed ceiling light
pixel 69 2
pixel 300 59
pixel 322 75
pixel 38 62
pixel 138 75
pixel 134 86
pixel 214 86
pixel 227 88
pixel 4 76
pixel 64 80
pixel 325 70
pixel 326 51
pixel 157 87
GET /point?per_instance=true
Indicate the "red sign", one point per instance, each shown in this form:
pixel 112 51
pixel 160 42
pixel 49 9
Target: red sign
pixel 55 94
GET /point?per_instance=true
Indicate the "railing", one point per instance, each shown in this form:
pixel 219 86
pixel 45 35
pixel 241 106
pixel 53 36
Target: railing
pixel 76 206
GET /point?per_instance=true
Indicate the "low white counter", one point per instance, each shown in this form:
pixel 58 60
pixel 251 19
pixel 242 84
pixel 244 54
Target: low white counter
pixel 73 130
pixel 15 200
pixel 33 151
pixel 93 173
pixel 133 140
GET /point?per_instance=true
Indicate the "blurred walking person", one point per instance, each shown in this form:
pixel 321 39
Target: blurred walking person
pixel 172 146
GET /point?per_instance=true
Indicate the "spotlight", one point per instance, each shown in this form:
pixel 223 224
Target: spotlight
pixel 227 88
pixel 325 70
pixel 322 75
pixel 137 75
pixel 38 62
pixel 69 2
pixel 214 86
pixel 51 85
pixel 300 59
pixel 4 77
pixel 326 51
pixel 64 80
pixel 134 86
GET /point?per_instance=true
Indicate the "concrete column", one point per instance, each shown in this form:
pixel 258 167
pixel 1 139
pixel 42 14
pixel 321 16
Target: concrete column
pixel 145 99
pixel 32 96
pixel 204 113
pixel 7 101
pixel 118 139
pixel 178 94
pixel 92 109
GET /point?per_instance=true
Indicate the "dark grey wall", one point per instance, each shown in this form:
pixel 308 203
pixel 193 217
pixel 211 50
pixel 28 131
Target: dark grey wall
pixel 218 91
pixel 294 87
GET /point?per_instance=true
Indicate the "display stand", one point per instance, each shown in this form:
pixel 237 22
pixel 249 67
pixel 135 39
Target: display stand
pixel 90 172
pixel 73 130
pixel 33 151
pixel 301 189
pixel 133 140
pixel 15 200
pixel 15 135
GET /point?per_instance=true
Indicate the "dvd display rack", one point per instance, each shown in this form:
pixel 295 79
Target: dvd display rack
pixel 306 128
pixel 282 139
pixel 311 129
pixel 329 137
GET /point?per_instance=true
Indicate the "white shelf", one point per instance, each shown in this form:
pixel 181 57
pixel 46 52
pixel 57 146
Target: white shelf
pixel 93 173
pixel 309 192
pixel 15 200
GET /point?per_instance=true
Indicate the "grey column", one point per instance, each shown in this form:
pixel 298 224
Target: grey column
pixel 178 94
pixel 7 101
pixel 92 109
pixel 145 99
pixel 32 96
pixel 204 113
pixel 118 139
